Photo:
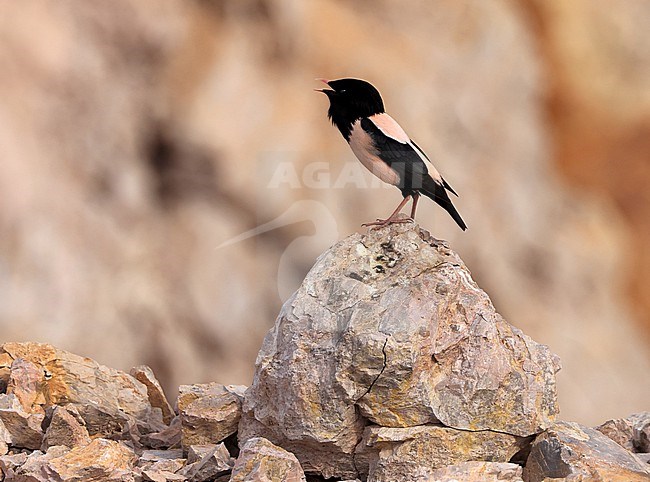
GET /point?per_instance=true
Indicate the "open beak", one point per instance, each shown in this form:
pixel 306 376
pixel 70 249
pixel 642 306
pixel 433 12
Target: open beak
pixel 326 82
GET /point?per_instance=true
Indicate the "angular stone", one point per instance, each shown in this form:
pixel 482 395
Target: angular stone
pixel 632 433
pixel 620 430
pixel 573 452
pixel 390 327
pixel 9 463
pixel 474 472
pixel 205 462
pixel 168 437
pixel 64 429
pixel 36 468
pixel 157 397
pixel 24 428
pixel 387 454
pixel 159 464
pixel 641 431
pixel 209 412
pixel 260 460
pixel 101 460
pixel 106 398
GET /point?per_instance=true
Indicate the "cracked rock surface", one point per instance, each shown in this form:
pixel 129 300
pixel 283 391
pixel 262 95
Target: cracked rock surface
pixel 388 328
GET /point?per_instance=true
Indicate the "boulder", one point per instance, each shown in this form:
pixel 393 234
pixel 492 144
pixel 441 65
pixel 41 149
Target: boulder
pixel 572 452
pixel 395 454
pixel 261 461
pixel 209 412
pixel 389 328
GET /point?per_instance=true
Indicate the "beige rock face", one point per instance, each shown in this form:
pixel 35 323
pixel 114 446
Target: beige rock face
pixel 572 452
pixel 396 454
pixel 390 327
pixel 107 399
pixel 261 461
pixel 208 412
pixel 475 472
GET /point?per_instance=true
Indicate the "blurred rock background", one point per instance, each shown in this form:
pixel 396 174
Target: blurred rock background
pixel 139 136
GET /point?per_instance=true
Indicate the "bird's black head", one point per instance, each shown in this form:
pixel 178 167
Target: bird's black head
pixel 351 99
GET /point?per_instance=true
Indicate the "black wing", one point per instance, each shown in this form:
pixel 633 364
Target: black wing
pixel 401 157
pixel 413 172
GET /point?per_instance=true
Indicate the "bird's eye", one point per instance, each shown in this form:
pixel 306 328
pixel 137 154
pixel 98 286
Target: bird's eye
pixel 342 91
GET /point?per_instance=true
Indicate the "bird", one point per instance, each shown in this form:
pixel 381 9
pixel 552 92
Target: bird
pixel 384 148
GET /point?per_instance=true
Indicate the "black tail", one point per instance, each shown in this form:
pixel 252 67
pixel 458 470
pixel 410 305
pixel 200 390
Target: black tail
pixel 437 192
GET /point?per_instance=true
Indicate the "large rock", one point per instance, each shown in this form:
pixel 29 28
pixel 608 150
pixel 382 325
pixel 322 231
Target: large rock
pixel 404 454
pixel 389 327
pixel 572 452
pixel 107 399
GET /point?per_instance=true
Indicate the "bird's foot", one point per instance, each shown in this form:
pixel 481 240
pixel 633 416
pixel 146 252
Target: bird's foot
pixel 380 223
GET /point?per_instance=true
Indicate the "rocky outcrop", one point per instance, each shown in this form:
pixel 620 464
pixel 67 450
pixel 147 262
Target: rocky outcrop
pixel 389 328
pixel 388 365
pixel 116 187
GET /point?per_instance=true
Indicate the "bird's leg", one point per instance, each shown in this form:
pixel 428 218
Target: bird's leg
pixel 416 197
pixel 391 219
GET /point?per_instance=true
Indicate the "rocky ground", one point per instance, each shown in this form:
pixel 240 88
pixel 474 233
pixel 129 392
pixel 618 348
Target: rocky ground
pixel 388 364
